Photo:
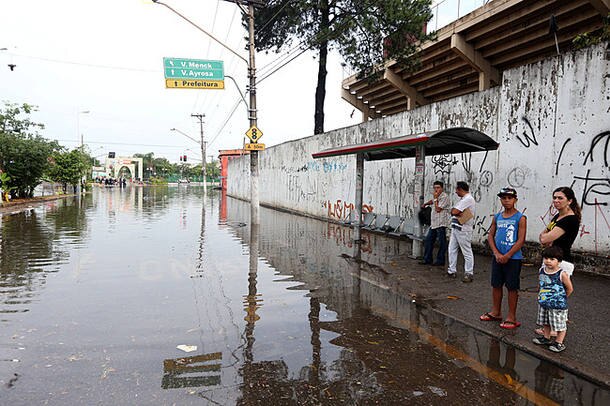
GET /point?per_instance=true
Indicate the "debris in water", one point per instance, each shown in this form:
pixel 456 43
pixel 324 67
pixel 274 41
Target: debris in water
pixel 106 372
pixel 438 391
pixel 187 348
pixel 418 393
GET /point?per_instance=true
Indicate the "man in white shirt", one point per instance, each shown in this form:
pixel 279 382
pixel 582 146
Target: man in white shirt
pixel 461 232
pixel 439 221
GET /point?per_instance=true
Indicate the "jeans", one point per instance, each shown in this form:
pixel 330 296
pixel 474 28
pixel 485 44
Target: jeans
pixel 431 237
pixel 460 240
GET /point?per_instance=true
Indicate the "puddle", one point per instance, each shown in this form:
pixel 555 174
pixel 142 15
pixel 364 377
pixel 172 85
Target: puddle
pixel 283 314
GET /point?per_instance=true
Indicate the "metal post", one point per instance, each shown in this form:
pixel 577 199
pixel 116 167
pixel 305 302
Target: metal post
pixel 418 198
pixel 254 198
pixel 359 189
pixel 203 145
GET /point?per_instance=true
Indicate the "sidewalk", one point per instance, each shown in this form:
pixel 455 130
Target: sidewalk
pixel 588 335
pixel 23 204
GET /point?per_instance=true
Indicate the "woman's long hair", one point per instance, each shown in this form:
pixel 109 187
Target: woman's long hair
pixel 569 193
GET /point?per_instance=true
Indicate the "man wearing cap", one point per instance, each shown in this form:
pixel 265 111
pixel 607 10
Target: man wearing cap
pixel 506 237
pixel 461 232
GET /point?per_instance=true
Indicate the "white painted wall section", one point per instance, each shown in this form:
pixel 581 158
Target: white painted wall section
pixel 551 118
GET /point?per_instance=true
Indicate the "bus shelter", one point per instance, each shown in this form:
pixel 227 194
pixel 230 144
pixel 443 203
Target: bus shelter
pixel 440 142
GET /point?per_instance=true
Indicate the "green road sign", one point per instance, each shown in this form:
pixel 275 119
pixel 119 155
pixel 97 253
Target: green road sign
pixel 180 68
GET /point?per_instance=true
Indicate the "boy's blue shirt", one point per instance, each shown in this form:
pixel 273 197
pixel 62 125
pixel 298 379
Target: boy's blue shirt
pixel 507 233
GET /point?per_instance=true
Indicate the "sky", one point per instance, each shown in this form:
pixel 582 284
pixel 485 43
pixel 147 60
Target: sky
pixel 94 69
pixel 106 58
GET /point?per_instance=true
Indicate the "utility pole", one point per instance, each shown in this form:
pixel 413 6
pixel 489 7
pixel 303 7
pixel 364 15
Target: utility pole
pixel 254 198
pixel 254 195
pixel 202 142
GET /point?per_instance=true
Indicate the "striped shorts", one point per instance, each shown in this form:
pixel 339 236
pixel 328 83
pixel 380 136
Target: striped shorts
pixel 556 318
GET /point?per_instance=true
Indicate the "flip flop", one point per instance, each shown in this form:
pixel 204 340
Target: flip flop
pixel 509 325
pixel 490 317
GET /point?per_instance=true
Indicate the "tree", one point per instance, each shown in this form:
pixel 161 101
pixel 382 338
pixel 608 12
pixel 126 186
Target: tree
pixel 24 154
pixel 69 167
pixel 147 163
pixel 212 169
pixel 365 32
pixel 162 166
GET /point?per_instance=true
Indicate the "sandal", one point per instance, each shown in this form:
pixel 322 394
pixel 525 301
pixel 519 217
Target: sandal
pixel 509 325
pixel 489 317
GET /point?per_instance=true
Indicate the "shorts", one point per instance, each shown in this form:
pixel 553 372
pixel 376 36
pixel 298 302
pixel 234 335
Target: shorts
pixel 556 318
pixel 508 274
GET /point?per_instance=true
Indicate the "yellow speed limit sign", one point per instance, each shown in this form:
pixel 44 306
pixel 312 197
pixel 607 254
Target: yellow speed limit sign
pixel 254 134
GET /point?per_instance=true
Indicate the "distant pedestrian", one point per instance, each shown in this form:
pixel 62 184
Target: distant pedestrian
pixel 554 288
pixel 439 221
pixel 506 237
pixel 461 232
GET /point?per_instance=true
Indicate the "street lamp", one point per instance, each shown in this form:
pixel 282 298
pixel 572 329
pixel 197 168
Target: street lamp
pixel 202 144
pixel 78 133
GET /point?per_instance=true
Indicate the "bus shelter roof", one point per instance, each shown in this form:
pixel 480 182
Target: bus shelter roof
pixel 440 142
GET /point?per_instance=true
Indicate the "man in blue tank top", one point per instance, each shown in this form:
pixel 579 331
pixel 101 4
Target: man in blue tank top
pixel 506 237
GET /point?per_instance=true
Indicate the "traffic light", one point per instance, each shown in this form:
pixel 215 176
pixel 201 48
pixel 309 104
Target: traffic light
pixel 185 158
pixel 180 158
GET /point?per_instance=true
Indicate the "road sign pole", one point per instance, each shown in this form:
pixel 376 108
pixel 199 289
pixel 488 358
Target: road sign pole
pixel 254 197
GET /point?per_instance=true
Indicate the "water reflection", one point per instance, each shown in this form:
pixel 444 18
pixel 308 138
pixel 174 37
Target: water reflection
pixel 292 312
pixel 392 349
pixel 196 371
pixel 32 244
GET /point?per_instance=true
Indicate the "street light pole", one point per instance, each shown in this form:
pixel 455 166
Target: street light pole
pixel 200 118
pixel 78 133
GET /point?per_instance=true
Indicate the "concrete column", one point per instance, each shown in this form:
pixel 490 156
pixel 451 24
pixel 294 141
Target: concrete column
pixel 418 199
pixel 358 199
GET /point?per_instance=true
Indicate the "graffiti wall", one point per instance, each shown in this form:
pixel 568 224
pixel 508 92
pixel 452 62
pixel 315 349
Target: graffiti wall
pixel 551 118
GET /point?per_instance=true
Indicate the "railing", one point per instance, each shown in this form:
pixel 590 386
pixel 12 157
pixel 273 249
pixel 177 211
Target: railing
pixel 445 12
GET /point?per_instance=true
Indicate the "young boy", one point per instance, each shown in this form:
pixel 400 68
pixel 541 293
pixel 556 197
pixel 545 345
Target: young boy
pixel 506 237
pixel 555 287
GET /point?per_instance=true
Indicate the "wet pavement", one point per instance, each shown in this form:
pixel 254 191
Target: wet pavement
pixel 97 293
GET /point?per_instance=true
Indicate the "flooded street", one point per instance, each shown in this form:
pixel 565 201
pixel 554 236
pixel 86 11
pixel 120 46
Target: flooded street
pixel 96 294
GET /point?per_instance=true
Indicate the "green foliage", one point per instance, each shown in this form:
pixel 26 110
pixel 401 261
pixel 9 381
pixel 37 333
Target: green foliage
pixel 592 38
pixel 23 153
pixel 158 181
pixel 11 121
pixel 212 170
pixel 365 32
pixel 68 167
pixel 5 187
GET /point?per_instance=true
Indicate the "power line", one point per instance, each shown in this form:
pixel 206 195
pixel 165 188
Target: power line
pixel 213 25
pixel 123 143
pixel 91 65
pixel 284 64
pixel 226 121
pixel 275 15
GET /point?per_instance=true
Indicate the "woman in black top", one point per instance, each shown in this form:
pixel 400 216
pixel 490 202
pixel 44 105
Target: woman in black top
pixel 563 228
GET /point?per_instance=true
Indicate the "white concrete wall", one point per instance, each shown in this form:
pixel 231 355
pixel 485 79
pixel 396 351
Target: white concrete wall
pixel 552 120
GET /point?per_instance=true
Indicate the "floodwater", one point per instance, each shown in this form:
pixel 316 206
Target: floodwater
pixel 96 295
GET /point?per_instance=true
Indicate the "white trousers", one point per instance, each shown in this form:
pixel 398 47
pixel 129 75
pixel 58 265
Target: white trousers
pixel 460 240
